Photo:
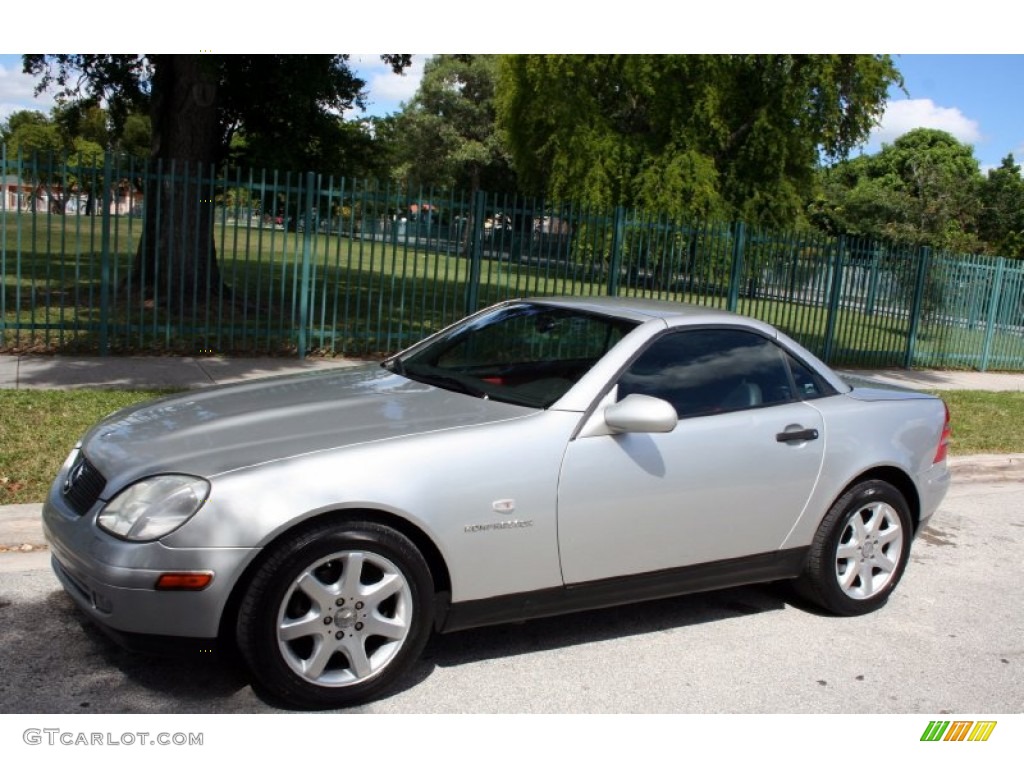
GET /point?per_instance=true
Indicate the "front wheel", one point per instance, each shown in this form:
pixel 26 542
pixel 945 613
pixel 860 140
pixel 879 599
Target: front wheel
pixel 860 550
pixel 336 615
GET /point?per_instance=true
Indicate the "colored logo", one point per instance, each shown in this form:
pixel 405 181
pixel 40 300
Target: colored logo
pixel 958 730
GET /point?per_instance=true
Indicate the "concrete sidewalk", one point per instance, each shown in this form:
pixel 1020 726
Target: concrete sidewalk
pixel 64 372
pixel 20 525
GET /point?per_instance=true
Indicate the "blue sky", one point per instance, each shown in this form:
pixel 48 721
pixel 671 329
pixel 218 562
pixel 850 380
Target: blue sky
pixel 977 98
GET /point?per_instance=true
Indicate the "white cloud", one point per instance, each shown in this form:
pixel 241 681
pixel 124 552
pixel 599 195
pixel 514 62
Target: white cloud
pixel 907 114
pixel 385 91
pixel 17 90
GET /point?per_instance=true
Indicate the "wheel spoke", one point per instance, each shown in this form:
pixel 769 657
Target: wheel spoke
pixel 859 529
pixel 847 551
pixel 875 518
pixel 377 593
pixel 393 629
pixel 890 534
pixel 852 571
pixel 885 563
pixel 358 661
pixel 320 593
pixel 353 573
pixel 293 629
pixel 867 581
pixel 314 666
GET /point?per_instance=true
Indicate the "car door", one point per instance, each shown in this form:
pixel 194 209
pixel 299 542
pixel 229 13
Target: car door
pixel 729 481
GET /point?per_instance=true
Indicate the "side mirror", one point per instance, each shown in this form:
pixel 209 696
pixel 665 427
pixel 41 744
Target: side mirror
pixel 641 413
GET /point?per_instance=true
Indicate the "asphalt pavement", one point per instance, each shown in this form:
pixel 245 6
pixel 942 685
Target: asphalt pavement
pixel 20 525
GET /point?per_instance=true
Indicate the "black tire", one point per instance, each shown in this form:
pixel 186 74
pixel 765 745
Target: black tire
pixel 860 550
pixel 314 631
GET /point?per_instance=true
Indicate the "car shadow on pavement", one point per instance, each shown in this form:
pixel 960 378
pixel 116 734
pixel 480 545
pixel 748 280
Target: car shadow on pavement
pixel 56 661
pixel 605 624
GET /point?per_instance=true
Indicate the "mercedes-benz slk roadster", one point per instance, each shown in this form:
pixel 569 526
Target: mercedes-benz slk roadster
pixel 539 457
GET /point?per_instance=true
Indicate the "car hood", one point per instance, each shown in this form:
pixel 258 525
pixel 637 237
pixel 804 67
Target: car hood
pixel 216 430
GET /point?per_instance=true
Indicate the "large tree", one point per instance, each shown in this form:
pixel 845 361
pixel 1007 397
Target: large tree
pixel 27 133
pixel 922 189
pixel 737 135
pixel 281 104
pixel 446 135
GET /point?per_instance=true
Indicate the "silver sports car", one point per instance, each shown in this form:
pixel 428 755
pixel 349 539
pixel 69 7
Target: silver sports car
pixel 539 457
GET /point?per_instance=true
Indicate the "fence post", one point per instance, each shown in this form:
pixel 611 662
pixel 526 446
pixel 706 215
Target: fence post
pixel 834 295
pixel 307 235
pixel 105 256
pixel 475 252
pixel 615 253
pixel 869 304
pixel 993 310
pixel 736 277
pixel 916 305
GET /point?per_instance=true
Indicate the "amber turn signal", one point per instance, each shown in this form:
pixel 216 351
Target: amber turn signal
pixel 184 581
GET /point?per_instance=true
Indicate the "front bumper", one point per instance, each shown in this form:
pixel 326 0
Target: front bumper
pixel 113 581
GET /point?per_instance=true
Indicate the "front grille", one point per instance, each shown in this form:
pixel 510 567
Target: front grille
pixel 83 485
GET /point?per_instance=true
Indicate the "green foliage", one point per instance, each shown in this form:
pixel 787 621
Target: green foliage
pixel 55 160
pixel 446 136
pixel 284 109
pixel 19 121
pixel 85 121
pixel 136 137
pixel 922 189
pixel 85 80
pixel 1001 219
pixel 35 139
pixel 76 133
pixel 693 136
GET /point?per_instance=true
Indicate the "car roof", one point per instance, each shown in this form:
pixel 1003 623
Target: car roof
pixel 677 313
pixel 642 310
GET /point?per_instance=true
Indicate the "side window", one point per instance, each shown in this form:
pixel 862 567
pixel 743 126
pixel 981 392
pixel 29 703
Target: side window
pixel 809 385
pixel 707 371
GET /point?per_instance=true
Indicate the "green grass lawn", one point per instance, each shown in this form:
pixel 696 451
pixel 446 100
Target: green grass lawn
pixel 985 422
pixel 38 428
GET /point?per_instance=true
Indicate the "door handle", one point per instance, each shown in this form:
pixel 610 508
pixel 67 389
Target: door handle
pixel 797 435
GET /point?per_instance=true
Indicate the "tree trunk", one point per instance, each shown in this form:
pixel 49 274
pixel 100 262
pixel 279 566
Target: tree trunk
pixel 176 263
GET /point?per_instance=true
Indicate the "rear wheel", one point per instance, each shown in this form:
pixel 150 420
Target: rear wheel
pixel 336 615
pixel 860 550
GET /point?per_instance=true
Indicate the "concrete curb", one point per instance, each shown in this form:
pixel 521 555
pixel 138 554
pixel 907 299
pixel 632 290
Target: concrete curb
pixel 21 528
pixel 988 468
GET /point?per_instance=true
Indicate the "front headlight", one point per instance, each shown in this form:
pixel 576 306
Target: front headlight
pixel 153 507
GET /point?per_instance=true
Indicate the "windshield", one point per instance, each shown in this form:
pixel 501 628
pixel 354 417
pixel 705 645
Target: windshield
pixel 526 354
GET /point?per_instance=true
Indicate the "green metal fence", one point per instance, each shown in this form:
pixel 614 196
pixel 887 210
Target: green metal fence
pixel 314 264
